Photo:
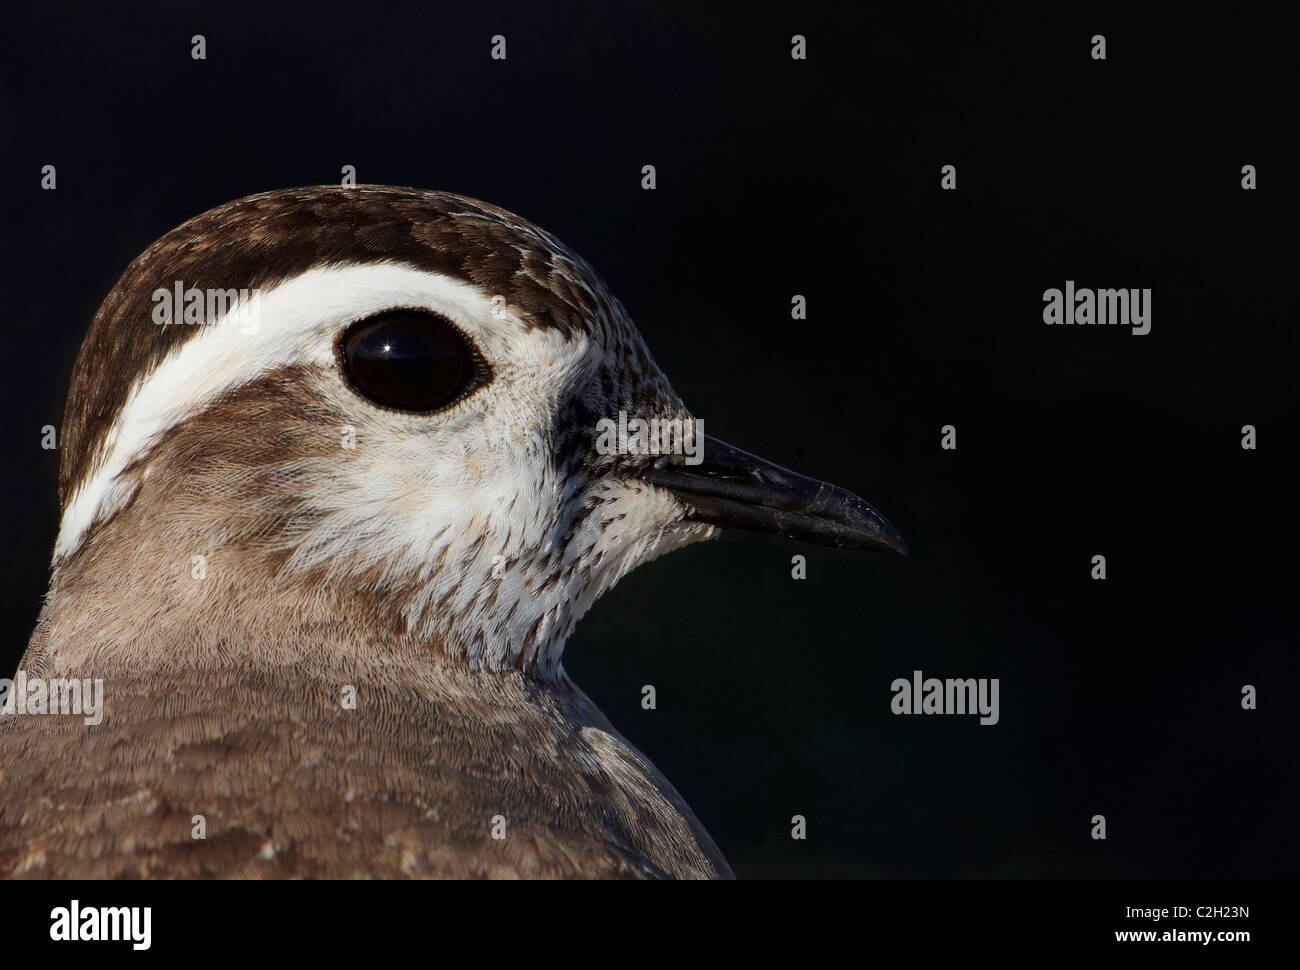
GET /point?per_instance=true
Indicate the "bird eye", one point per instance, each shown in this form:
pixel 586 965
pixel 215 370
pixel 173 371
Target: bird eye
pixel 409 360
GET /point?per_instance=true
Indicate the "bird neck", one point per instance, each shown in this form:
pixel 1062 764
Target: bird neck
pixel 148 604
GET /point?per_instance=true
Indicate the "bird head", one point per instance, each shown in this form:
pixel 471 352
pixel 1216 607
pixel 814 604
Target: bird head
pixel 406 413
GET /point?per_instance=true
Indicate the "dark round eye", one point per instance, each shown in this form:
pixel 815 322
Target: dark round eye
pixel 409 360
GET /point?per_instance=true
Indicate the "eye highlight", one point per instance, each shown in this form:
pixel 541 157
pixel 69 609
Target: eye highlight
pixel 409 360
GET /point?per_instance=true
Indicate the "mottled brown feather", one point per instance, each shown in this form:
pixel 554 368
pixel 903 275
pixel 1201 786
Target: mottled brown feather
pixel 291 784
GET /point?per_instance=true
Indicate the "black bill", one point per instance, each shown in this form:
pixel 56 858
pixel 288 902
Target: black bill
pixel 735 489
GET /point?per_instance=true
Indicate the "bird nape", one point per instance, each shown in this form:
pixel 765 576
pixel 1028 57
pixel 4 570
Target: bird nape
pixel 332 503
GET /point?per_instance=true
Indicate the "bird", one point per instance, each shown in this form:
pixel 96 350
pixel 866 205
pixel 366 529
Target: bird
pixel 324 546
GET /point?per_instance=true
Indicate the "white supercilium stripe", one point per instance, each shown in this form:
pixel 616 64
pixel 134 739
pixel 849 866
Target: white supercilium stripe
pixel 295 322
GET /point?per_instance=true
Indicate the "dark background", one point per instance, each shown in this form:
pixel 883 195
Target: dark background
pixel 821 178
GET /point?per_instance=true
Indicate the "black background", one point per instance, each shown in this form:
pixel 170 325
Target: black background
pixel 818 177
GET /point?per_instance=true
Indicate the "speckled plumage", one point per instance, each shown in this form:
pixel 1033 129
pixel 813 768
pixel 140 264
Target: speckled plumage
pixel 290 784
